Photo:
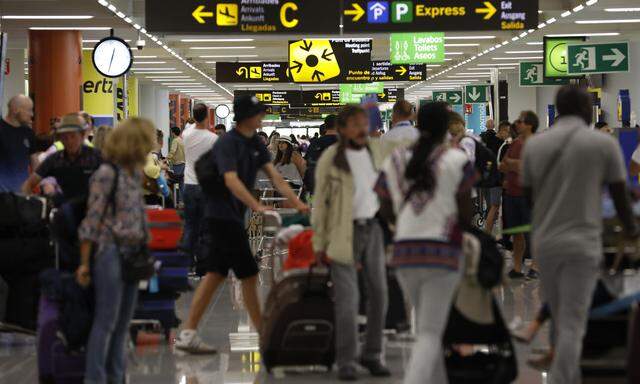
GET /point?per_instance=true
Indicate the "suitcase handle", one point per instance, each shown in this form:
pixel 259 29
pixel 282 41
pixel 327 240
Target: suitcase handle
pixel 310 275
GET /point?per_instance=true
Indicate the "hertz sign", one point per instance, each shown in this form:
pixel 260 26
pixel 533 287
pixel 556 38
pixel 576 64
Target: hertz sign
pixel 243 16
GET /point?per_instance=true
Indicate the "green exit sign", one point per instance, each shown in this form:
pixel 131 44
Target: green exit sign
pixel 417 48
pixel 451 97
pixel 476 94
pixel 598 57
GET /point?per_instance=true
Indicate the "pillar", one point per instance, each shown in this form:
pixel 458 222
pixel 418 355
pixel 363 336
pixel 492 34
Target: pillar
pixel 55 75
pixel 162 115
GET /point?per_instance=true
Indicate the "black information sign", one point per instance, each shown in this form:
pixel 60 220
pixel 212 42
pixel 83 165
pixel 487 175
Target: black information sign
pixel 321 98
pixel 385 71
pixel 267 72
pixel 272 97
pixel 364 16
pixel 242 16
pixel 330 61
pixel 391 95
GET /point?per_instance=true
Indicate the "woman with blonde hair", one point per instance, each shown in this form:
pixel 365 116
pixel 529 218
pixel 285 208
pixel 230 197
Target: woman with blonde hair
pixel 100 136
pixel 114 225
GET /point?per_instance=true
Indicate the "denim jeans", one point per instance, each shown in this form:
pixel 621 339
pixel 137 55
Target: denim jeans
pixel 194 207
pixel 114 306
pixel 178 170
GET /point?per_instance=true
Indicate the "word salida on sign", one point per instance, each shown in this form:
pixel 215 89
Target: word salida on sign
pixel 511 20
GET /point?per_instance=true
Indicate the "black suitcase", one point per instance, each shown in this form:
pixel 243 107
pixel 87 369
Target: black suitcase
pixel 298 322
pixel 22 303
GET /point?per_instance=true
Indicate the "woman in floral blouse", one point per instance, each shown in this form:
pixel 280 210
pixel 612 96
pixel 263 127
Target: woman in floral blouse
pixel 115 220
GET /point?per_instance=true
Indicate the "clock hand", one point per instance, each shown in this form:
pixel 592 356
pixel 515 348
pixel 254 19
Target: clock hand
pixel 112 55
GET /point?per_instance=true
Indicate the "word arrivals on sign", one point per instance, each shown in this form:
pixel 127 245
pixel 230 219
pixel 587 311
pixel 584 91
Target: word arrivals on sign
pixel 451 97
pixel 266 72
pixel 367 16
pixel 385 71
pixel 330 61
pixel 597 57
pixel 242 16
pixel 415 48
pixel 476 94
pixel 531 75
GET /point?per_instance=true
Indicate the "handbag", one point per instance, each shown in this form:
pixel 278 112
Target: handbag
pixel 137 263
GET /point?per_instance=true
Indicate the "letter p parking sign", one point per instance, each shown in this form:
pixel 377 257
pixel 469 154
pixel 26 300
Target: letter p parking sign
pixel 402 12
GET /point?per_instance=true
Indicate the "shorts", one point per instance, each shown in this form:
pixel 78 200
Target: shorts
pixel 228 249
pixel 493 196
pixel 515 211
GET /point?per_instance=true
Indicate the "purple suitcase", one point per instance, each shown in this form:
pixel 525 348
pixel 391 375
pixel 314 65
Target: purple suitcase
pixel 55 365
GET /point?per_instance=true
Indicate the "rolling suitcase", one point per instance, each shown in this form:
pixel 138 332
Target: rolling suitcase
pixel 159 307
pixel 298 322
pixel 165 226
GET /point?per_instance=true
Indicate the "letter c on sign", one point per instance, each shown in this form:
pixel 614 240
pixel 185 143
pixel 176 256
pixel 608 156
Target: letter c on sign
pixel 283 15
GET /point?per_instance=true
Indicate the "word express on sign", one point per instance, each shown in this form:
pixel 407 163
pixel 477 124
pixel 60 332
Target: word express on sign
pixel 532 75
pixel 330 61
pixel 597 58
pixel 365 16
pixel 415 48
pixel 267 72
pixel 385 71
pixel 476 94
pixel 241 16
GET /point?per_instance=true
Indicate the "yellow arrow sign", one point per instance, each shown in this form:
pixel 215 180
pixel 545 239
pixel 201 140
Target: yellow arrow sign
pixel 199 14
pixel 489 10
pixel 242 71
pixel 357 12
pixel 402 70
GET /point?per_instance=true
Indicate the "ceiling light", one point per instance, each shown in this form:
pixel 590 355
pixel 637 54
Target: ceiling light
pixel 150 62
pixel 152 69
pixel 541 25
pixel 584 34
pixel 237 47
pixel 466 77
pixel 182 85
pixel 159 72
pixel 221 56
pixel 169 77
pixel 462 45
pixel 534 43
pixel 70 28
pixel 520 52
pixel 475 69
pixel 622 9
pixel 145 57
pixel 496 64
pixel 453 53
pixel 551 21
pixel 610 21
pixel 47 17
pixel 213 40
pixel 591 2
pixel 518 58
pixel 471 37
pixel 434 65
pixel 565 13
pixel 578 8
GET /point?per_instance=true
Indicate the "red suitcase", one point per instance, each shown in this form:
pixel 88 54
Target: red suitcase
pixel 165 226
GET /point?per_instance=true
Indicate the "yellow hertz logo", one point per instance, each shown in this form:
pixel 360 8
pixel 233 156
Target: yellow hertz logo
pixel 312 61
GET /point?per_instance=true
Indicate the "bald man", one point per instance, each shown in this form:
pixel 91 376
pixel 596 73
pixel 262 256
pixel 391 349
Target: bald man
pixel 17 144
pixel 402 128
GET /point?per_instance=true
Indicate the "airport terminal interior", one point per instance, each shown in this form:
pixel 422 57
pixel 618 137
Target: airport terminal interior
pixel 499 66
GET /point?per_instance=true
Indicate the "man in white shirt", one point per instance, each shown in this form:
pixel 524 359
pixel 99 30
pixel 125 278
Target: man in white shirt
pixel 197 140
pixel 402 128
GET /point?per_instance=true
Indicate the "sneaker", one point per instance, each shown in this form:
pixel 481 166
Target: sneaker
pixel 347 373
pixel 532 274
pixel 515 275
pixel 376 368
pixel 190 342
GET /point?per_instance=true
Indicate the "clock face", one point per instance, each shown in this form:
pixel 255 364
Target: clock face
pixel 112 57
pixel 222 111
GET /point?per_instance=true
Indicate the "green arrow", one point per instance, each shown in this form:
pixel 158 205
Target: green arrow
pixel 617 57
pixel 455 98
pixel 474 94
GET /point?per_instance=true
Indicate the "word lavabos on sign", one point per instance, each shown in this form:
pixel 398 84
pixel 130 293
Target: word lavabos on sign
pixel 407 48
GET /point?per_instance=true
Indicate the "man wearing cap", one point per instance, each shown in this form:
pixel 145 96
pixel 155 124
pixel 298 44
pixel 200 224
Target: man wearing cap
pixel 71 167
pixel 237 157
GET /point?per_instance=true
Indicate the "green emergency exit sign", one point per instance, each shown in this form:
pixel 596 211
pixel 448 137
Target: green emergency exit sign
pixel 598 57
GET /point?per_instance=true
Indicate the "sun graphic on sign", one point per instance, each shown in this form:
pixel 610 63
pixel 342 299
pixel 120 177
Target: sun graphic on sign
pixel 312 61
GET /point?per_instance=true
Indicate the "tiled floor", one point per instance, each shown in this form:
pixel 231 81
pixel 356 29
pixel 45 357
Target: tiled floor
pixel 225 325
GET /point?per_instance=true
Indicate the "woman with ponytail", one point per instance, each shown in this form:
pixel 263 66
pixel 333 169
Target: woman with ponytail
pixel 426 190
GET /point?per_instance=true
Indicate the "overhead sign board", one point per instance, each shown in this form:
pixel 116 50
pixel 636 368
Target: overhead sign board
pixel 366 16
pixel 451 97
pixel 242 16
pixel 320 98
pixel 265 72
pixel 385 71
pixel 532 75
pixel 272 97
pixel 330 61
pixel 476 94
pixel 416 48
pixel 391 95
pixel 555 55
pixel 597 58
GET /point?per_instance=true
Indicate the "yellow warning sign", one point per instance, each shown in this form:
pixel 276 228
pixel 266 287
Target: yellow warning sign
pixel 312 61
pixel 226 14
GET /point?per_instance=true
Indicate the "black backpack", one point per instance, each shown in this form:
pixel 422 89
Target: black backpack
pixel 209 178
pixel 491 261
pixel 487 166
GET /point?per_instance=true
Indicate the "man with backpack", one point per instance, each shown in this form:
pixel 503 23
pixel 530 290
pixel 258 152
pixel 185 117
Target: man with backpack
pixel 226 174
pixel 516 211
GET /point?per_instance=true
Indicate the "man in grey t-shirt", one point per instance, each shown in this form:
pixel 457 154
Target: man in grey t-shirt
pixel 564 172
